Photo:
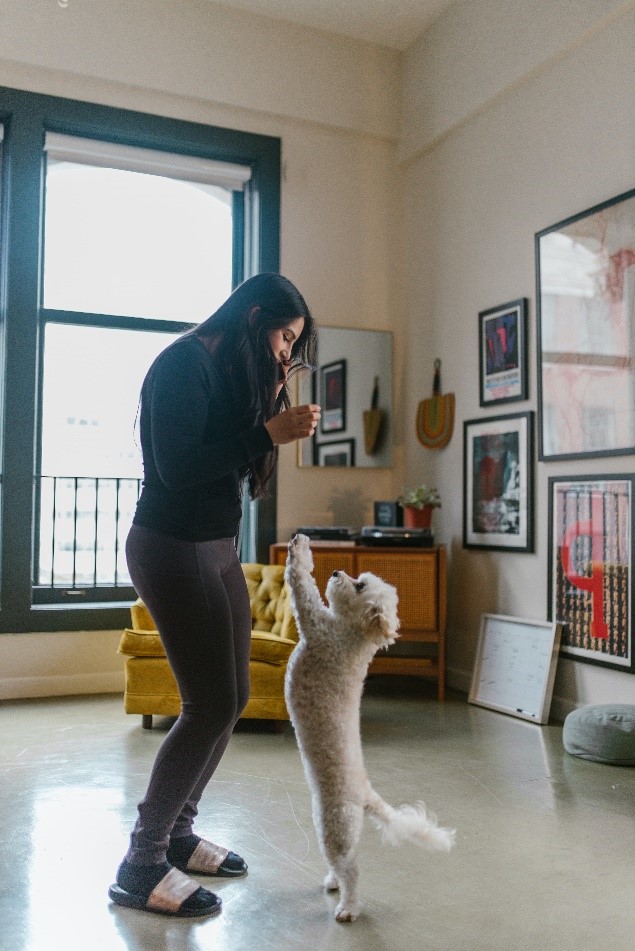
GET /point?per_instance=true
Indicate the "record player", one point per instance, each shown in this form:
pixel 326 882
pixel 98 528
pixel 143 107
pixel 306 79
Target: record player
pixel 392 536
pixel 327 533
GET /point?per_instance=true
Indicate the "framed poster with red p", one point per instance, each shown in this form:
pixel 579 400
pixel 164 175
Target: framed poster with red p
pixel 591 567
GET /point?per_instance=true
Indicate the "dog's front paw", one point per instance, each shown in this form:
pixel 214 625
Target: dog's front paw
pixel 300 552
pixel 331 882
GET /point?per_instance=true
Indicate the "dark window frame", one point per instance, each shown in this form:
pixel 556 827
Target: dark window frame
pixel 26 118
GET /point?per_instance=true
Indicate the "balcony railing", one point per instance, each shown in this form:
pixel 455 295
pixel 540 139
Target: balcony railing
pixel 81 528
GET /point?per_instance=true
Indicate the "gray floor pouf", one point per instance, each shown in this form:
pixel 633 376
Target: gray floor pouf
pixel 604 733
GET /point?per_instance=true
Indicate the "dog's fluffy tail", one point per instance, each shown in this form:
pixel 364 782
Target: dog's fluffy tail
pixel 409 824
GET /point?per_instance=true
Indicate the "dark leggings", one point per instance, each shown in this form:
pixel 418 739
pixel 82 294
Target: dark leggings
pixel 197 596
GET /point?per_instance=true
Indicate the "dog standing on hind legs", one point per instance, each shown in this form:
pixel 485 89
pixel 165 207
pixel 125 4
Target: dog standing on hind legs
pixel 323 690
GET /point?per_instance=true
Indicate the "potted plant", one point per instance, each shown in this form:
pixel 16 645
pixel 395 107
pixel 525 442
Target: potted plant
pixel 418 504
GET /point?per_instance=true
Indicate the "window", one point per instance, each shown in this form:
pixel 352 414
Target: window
pixel 135 228
pixel 2 304
pixel 128 232
pixel 90 462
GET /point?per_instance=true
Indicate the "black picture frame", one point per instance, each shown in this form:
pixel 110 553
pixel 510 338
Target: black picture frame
pixel 503 353
pixel 498 483
pixel 333 397
pixel 338 453
pixel 585 331
pixel 590 564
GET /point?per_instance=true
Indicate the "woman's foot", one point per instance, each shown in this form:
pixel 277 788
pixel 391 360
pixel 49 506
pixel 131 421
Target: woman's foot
pixel 162 889
pixel 193 854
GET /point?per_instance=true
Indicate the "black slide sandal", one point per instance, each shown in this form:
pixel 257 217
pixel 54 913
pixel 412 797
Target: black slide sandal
pixel 176 895
pixel 201 857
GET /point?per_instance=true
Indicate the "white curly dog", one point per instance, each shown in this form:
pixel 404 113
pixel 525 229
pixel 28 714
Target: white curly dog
pixel 323 690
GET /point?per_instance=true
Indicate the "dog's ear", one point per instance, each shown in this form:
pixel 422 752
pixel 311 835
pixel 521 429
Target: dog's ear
pixel 381 624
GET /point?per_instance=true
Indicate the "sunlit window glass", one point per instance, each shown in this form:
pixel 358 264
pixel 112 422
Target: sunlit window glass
pixel 127 243
pixel 129 233
pixel 91 458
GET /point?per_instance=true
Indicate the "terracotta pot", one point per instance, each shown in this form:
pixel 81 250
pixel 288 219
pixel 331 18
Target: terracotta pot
pixel 417 518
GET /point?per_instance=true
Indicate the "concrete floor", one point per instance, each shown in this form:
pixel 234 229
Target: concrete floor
pixel 545 854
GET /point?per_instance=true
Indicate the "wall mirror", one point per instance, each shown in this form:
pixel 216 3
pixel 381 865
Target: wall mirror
pixel 353 384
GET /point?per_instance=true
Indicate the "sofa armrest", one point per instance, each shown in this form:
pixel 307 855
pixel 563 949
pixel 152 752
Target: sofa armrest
pixel 137 643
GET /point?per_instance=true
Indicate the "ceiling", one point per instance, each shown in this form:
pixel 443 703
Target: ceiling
pixel 392 23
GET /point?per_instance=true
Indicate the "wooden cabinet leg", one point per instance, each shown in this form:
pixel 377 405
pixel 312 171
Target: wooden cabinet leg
pixel 146 721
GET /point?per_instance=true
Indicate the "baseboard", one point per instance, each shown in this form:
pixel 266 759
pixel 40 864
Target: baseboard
pixel 65 685
pixel 459 680
pixel 561 707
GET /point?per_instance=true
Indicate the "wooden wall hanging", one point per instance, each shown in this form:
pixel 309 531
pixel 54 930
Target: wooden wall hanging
pixel 435 416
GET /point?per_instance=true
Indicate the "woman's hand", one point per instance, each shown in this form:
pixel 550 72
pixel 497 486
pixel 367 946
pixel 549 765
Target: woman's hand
pixel 297 422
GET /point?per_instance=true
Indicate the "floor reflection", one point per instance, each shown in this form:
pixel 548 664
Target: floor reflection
pixel 543 856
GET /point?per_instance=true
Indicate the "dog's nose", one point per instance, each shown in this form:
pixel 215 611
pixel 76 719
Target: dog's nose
pixel 336 574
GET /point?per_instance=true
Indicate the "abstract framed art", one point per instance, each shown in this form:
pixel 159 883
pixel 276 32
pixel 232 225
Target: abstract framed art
pixel 503 353
pixel 333 396
pixel 585 276
pixel 591 567
pixel 498 483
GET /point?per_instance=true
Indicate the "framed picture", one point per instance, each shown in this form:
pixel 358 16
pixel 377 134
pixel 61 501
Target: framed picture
pixel 515 666
pixel 341 453
pixel 333 396
pixel 498 483
pixel 585 273
pixel 590 567
pixel 503 353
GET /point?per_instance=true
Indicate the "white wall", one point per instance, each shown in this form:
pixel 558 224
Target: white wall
pixel 199 50
pixel 515 117
pixel 335 105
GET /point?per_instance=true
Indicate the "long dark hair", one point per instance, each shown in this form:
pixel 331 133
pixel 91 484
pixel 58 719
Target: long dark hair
pixel 241 325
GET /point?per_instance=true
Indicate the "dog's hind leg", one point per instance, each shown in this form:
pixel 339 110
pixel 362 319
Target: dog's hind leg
pixel 341 831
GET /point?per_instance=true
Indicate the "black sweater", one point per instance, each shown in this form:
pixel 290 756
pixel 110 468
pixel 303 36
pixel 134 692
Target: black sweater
pixel 191 450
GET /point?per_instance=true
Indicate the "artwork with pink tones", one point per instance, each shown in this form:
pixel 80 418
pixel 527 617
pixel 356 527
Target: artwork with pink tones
pixel 585 271
pixel 590 567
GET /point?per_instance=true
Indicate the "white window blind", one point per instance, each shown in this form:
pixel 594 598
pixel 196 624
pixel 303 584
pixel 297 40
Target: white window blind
pixel 68 148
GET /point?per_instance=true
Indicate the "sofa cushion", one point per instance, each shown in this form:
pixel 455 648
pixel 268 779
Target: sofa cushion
pixel 604 733
pixel 265 647
pixel 269 648
pixel 269 597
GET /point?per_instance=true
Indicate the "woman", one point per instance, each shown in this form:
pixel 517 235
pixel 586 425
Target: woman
pixel 214 409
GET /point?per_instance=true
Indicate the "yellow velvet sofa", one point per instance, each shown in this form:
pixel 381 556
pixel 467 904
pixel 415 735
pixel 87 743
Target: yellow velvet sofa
pixel 151 687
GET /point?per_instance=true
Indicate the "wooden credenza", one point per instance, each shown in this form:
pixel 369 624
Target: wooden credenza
pixel 420 576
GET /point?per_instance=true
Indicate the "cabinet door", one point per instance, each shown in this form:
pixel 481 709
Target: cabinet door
pixel 326 562
pixel 415 578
